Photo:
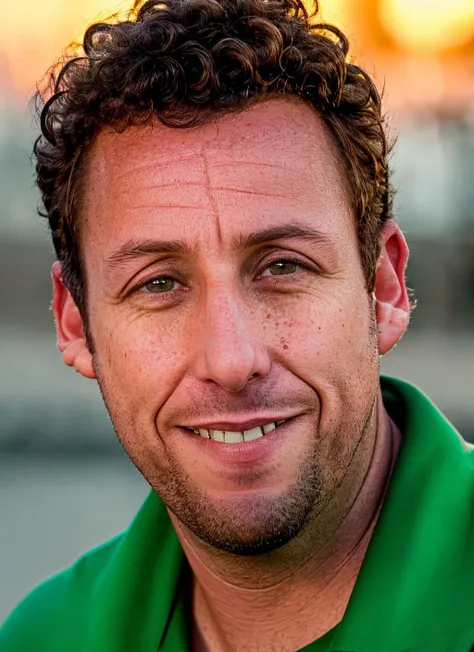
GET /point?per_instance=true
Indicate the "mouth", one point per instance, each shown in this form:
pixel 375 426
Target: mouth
pixel 236 436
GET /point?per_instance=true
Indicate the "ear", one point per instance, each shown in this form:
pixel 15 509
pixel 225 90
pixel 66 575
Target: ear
pixel 391 296
pixel 70 327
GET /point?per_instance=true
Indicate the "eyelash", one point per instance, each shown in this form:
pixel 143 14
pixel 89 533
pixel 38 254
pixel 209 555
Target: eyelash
pixel 172 276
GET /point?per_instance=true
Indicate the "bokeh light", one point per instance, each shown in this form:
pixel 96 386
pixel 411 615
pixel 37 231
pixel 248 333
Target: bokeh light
pixel 428 26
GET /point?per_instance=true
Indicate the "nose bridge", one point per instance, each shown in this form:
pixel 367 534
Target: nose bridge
pixel 223 305
pixel 229 351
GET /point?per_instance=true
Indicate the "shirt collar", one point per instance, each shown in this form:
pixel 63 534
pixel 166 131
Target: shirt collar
pixel 134 599
pixel 408 595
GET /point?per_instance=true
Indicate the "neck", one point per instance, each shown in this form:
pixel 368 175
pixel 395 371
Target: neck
pixel 271 599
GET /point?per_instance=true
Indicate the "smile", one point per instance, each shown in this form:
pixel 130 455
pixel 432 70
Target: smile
pixel 229 437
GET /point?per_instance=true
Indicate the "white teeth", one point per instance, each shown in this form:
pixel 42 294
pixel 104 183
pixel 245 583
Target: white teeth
pixel 254 433
pixel 234 438
pixel 217 435
pixel 268 427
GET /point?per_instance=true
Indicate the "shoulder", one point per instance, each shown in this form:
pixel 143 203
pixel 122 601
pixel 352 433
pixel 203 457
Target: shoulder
pixel 92 601
pixel 53 617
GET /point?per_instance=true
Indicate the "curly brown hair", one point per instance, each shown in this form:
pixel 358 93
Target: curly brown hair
pixel 185 62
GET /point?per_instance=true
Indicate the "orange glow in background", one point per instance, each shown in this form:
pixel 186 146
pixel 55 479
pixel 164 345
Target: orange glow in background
pixel 422 49
pixel 34 33
pixel 429 26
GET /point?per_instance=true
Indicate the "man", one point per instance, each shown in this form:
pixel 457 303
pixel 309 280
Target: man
pixel 216 181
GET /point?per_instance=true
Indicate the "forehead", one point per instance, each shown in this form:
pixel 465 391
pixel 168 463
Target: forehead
pixel 273 157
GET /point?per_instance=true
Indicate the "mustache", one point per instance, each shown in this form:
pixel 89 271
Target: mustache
pixel 213 403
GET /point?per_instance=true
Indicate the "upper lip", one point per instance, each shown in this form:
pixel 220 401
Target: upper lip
pixel 238 426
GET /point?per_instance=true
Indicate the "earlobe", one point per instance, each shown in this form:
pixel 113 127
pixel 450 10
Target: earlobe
pixel 70 327
pixel 392 303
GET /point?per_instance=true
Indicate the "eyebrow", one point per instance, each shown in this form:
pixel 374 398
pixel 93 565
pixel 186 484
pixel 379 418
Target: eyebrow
pixel 289 231
pixel 133 249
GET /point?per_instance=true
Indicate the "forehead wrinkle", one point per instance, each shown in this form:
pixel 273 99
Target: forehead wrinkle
pixel 247 163
pixel 166 165
pixel 122 157
pixel 278 180
pixel 154 206
pixel 213 208
pixel 259 193
pixel 170 184
pixel 156 195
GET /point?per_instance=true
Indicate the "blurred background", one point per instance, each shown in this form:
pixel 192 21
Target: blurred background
pixel 65 484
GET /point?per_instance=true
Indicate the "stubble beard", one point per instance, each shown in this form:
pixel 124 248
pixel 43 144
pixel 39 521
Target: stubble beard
pixel 249 526
pixel 258 525
pixel 253 525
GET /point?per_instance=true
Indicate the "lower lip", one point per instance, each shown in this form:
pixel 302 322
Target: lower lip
pixel 252 452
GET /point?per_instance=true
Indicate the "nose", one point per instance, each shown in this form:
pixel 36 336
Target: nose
pixel 230 350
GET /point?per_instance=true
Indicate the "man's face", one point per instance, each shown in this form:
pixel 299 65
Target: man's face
pixel 225 291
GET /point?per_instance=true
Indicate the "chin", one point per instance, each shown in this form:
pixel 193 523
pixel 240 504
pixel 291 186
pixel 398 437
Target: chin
pixel 250 525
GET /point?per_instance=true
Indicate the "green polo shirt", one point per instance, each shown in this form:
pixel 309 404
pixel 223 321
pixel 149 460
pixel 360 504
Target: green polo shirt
pixel 414 593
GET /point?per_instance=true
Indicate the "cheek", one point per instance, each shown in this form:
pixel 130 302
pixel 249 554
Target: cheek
pixel 322 335
pixel 330 346
pixel 332 349
pixel 139 357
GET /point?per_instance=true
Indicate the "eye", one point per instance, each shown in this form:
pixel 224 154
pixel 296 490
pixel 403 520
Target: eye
pixel 282 268
pixel 159 285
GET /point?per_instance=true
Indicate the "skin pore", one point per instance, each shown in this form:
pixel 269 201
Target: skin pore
pixel 224 284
